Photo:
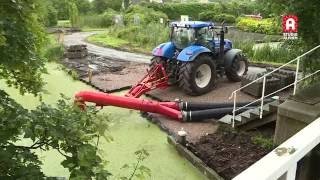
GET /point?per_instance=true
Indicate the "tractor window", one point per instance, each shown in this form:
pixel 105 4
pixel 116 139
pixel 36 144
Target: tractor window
pixel 183 37
pixel 205 34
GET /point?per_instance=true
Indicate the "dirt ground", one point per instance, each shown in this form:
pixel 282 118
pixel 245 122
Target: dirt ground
pixel 228 152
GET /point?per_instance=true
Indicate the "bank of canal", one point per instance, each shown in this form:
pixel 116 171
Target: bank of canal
pixel 130 131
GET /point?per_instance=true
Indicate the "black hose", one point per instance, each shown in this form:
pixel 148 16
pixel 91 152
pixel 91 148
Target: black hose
pixel 193 106
pixel 196 116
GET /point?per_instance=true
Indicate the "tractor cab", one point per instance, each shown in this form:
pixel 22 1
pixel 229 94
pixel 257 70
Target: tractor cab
pixel 184 34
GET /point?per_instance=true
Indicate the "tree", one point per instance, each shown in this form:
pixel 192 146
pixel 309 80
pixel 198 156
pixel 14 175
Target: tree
pixel 308 14
pixel 84 6
pixel 73 133
pixel 74 14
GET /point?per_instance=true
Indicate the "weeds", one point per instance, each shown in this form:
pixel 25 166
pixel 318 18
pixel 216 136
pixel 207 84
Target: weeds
pixel 263 142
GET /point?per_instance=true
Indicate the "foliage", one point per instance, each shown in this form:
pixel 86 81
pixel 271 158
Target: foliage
pixel 21 61
pixel 216 17
pixel 174 10
pixel 280 53
pixel 53 51
pixel 265 26
pixel 98 21
pixel 62 8
pixel 139 171
pixel 99 6
pixel 263 142
pixel 65 128
pixel 148 36
pixel 307 12
pixel 104 39
pixel 146 15
pixel 84 6
pixel 74 14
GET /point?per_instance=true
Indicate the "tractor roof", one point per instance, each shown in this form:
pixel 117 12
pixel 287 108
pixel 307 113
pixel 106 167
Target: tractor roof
pixel 192 24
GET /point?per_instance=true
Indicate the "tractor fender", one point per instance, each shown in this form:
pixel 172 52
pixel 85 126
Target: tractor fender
pixel 164 50
pixel 191 52
pixel 229 57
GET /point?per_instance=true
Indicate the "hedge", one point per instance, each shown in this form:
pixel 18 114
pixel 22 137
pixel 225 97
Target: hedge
pixel 212 16
pixel 265 26
pixel 147 15
pixel 175 10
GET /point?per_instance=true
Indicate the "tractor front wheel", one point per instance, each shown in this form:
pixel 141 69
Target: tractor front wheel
pixel 197 77
pixel 238 68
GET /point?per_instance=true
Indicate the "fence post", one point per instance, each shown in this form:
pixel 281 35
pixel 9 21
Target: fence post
pixel 234 108
pixel 262 97
pixel 296 78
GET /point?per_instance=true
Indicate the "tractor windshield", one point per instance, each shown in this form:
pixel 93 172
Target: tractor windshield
pixel 183 37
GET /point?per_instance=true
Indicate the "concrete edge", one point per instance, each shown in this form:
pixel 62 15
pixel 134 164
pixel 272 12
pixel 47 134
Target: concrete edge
pixel 183 151
pixel 198 163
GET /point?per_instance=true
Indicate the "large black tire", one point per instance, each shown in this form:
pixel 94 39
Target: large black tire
pixel 237 69
pixel 190 73
pixel 159 60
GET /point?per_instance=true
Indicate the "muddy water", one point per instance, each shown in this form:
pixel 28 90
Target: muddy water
pixel 130 132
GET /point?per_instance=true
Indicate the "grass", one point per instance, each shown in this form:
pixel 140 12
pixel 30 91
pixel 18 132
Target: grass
pixel 263 142
pixel 106 40
pixel 64 23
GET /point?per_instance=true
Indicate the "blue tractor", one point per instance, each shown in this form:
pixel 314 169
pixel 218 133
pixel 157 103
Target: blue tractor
pixel 194 57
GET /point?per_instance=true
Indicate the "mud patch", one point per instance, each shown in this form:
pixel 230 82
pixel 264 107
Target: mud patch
pixel 220 93
pixel 228 152
pixel 108 75
pixel 194 130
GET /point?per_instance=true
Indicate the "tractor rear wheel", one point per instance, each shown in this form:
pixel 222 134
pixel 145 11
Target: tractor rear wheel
pixel 238 68
pixel 197 77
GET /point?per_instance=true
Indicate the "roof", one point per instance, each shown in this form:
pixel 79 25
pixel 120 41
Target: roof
pixel 192 24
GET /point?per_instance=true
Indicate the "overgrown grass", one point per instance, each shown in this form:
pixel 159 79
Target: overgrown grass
pixel 132 38
pixel 64 23
pixel 54 51
pixel 276 54
pixel 105 39
pixel 263 142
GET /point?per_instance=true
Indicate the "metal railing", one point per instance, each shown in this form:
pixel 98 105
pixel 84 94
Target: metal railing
pixel 264 77
pixel 282 161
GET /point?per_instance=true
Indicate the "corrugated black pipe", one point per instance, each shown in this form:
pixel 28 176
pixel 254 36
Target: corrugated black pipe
pixel 193 106
pixel 197 116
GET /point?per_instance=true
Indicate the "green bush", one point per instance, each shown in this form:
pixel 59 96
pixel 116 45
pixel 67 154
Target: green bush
pixel 265 26
pixel 212 16
pixel 175 10
pixel 207 16
pixel 148 36
pixel 224 17
pixel 147 15
pixel 51 17
pixel 98 21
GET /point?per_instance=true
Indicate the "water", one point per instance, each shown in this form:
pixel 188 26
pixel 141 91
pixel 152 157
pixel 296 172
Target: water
pixel 130 131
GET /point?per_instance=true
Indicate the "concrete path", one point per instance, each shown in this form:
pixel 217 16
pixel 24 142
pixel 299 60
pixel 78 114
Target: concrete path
pixel 79 38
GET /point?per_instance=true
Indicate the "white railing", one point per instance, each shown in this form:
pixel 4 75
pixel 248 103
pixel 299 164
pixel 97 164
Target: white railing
pixel 282 161
pixel 264 77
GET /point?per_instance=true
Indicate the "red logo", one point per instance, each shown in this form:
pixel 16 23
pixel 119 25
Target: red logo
pixel 290 24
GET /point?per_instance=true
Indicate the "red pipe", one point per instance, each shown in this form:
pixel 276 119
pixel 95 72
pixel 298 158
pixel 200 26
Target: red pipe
pixel 170 109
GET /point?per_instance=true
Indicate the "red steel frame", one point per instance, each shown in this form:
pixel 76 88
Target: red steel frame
pixel 156 78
